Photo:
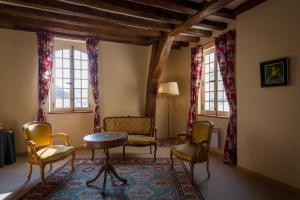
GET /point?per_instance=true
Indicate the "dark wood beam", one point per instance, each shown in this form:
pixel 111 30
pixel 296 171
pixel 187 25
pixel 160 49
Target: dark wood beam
pixel 179 45
pixel 199 32
pixel 225 13
pixel 246 6
pixel 212 25
pixel 32 14
pixel 207 9
pixel 159 55
pixel 134 9
pixel 187 38
pixel 90 13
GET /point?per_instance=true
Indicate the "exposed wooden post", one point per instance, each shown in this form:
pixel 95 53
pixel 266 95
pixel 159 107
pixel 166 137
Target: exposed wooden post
pixel 159 55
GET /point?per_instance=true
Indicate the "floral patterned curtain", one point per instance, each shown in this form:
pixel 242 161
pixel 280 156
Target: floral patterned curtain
pixel 196 68
pixel 91 44
pixel 225 50
pixel 45 53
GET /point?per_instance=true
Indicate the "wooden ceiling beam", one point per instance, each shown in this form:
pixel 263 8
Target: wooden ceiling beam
pixel 180 44
pixel 133 9
pixel 246 6
pixel 207 9
pixel 92 14
pixel 199 32
pixel 212 25
pixel 187 38
pixel 225 13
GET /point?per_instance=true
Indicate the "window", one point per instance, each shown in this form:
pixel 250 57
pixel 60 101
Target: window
pixel 70 88
pixel 213 98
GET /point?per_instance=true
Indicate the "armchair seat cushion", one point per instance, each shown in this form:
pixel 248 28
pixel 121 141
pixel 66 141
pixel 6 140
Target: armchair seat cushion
pixel 188 152
pixel 140 140
pixel 54 152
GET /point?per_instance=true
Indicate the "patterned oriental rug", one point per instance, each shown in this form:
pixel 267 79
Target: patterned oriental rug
pixel 146 180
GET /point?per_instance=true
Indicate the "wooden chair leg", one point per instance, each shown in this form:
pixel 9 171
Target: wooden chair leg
pixel 72 161
pixel 42 173
pixel 172 160
pixel 50 166
pixel 207 168
pixel 155 149
pixel 192 172
pixel 30 172
pixel 123 152
pixel 93 154
pixel 150 149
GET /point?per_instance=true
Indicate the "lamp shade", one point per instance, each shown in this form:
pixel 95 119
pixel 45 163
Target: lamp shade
pixel 169 88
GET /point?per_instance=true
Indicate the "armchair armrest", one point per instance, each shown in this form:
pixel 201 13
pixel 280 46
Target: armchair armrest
pixel 31 149
pixel 66 137
pixel 178 135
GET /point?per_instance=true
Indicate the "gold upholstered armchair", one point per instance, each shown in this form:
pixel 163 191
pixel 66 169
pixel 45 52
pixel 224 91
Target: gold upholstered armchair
pixel 197 150
pixel 40 149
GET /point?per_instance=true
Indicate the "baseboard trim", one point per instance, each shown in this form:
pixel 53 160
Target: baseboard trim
pixel 268 179
pixel 216 153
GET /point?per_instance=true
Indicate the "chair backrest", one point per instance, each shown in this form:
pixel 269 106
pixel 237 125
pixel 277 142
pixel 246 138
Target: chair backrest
pixel 129 125
pixel 38 132
pixel 202 130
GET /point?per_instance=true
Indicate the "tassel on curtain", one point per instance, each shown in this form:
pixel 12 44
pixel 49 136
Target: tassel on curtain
pixel 225 50
pixel 45 63
pixel 196 68
pixel 91 44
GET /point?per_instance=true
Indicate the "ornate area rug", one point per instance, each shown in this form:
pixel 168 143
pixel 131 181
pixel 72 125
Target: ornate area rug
pixel 146 180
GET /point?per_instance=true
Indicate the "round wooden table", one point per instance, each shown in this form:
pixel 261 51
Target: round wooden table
pixel 106 140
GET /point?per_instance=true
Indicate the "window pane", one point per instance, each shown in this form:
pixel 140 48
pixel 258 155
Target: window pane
pixel 76 64
pixel 77 74
pixel 211 105
pixel 58 92
pixel 58 63
pixel 58 103
pixel 207 68
pixel 77 103
pixel 85 103
pixel 219 76
pixel 84 56
pixel 212 76
pixel 84 65
pixel 211 86
pixel 212 67
pixel 66 63
pixel 206 59
pixel 220 95
pixel 58 83
pixel 77 83
pixel 206 96
pixel 66 83
pixel 206 86
pixel 85 84
pixel 84 93
pixel 211 96
pixel 67 93
pixel 66 73
pixel 220 106
pixel 226 107
pixel 84 74
pixel 66 53
pixel 212 57
pixel 206 78
pixel 76 54
pixel 77 93
pixel 58 73
pixel 206 106
pixel 66 103
pixel 220 85
pixel 58 54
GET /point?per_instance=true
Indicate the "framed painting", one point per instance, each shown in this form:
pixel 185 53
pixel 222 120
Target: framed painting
pixel 274 72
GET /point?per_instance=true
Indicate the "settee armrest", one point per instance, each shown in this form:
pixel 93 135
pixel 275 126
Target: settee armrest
pixel 64 135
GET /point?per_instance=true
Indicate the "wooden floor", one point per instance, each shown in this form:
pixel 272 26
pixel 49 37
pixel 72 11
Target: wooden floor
pixel 226 182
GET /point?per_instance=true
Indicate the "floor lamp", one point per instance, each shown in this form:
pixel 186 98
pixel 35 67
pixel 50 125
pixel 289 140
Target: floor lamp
pixel 168 89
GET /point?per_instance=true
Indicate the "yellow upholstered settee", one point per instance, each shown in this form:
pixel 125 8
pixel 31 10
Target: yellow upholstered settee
pixel 141 131
pixel 40 148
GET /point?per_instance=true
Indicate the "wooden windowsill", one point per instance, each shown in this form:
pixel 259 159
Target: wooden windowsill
pixel 213 116
pixel 69 112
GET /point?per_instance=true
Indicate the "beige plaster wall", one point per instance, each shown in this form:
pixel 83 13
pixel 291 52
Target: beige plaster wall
pixel 268 118
pixel 123 75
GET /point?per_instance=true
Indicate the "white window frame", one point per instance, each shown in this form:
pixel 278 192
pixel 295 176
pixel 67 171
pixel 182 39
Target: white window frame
pixel 201 106
pixel 72 108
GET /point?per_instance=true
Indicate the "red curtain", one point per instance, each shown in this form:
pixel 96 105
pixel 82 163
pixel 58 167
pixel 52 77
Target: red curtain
pixel 225 50
pixel 196 68
pixel 45 54
pixel 92 51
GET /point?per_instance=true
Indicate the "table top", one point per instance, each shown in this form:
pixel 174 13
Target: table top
pixel 105 140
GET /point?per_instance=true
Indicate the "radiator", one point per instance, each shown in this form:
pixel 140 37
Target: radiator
pixel 215 138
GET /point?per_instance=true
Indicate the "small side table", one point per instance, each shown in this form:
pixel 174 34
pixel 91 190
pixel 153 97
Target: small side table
pixel 7 147
pixel 106 140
